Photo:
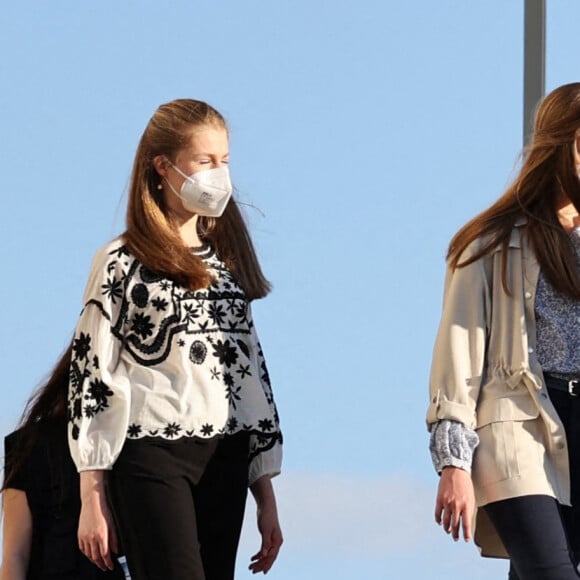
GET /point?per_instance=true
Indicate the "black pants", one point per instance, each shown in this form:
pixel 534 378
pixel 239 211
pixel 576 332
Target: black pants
pixel 179 506
pixel 532 530
pixel 542 537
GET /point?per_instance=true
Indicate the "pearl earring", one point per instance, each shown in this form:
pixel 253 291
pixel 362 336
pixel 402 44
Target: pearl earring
pixel 159 186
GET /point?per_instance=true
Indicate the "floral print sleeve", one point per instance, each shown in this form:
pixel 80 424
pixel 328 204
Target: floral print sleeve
pixel 98 396
pixel 452 445
pixel 266 442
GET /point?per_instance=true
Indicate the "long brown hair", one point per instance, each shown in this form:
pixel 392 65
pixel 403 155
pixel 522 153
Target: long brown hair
pixel 150 236
pixel 548 171
pixel 48 404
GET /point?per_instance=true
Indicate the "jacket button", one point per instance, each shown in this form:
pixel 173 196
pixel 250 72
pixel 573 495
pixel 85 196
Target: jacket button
pixel 560 445
pixel 543 395
pixel 530 350
pixel 528 294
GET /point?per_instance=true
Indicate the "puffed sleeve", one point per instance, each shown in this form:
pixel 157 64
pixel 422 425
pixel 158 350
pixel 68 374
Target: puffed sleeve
pixel 460 346
pixel 99 393
pixel 265 444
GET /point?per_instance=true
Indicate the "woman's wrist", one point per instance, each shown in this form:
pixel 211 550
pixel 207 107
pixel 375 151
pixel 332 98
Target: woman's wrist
pixel 92 484
pixel 263 492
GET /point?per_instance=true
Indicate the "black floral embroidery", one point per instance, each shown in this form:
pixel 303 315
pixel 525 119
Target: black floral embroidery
pixel 140 295
pixel 172 430
pixel 225 352
pixel 191 313
pixel 77 378
pixel 82 346
pixel 265 425
pixel 265 376
pixel 77 412
pixel 142 325
pixel 233 395
pixel 134 430
pixel 120 251
pixel 216 313
pixel 241 311
pixel 197 352
pixel 215 374
pixel 232 424
pixel 90 411
pixel 181 342
pixel 113 289
pixel 207 429
pixel 244 371
pixel 160 304
pixel 85 401
pixel 99 392
pixel 243 347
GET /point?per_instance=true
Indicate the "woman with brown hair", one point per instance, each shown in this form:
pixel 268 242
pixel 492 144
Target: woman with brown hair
pixel 504 413
pixel 41 492
pixel 169 389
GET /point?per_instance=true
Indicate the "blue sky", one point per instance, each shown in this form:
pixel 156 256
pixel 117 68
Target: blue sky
pixel 366 133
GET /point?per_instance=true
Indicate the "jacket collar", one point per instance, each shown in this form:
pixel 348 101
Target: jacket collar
pixel 515 240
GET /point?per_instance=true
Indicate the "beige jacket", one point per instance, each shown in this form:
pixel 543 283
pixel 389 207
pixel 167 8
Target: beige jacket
pixel 485 373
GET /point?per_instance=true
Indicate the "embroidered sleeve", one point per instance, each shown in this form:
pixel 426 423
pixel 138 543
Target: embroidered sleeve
pixel 266 440
pixel 99 393
pixel 452 445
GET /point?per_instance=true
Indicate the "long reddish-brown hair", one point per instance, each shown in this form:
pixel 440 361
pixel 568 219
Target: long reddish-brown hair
pixel 548 172
pixel 150 235
pixel 47 405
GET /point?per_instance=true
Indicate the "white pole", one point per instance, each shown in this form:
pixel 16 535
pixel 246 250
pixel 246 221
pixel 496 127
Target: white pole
pixel 534 59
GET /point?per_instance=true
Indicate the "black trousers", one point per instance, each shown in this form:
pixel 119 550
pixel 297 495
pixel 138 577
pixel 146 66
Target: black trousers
pixel 541 536
pixel 179 506
pixel 533 532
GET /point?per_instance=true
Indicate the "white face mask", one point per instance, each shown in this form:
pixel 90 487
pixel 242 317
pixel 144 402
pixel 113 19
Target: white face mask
pixel 206 192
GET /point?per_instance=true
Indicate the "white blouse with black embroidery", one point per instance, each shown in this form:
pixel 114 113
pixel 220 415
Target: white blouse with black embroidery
pixel 154 359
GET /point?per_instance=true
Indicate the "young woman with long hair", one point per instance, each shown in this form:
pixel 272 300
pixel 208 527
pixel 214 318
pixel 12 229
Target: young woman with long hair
pixel 41 492
pixel 169 394
pixel 504 412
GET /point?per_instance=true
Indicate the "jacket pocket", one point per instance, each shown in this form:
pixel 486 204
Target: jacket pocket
pixel 510 440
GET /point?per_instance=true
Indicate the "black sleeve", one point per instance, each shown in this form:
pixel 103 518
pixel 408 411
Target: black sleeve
pixel 13 479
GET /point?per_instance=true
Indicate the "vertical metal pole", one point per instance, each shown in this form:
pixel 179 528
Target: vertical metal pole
pixel 534 59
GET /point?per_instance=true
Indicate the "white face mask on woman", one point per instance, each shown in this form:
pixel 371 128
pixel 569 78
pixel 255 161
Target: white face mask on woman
pixel 205 192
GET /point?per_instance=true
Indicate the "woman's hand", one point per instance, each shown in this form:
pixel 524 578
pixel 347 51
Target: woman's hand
pixel 97 535
pixel 455 503
pixel 268 526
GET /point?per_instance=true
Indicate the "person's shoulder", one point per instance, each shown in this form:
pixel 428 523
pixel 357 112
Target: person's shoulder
pixel 115 248
pixel 490 243
pixel 15 468
pixel 12 441
pixel 33 436
pixel 113 256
